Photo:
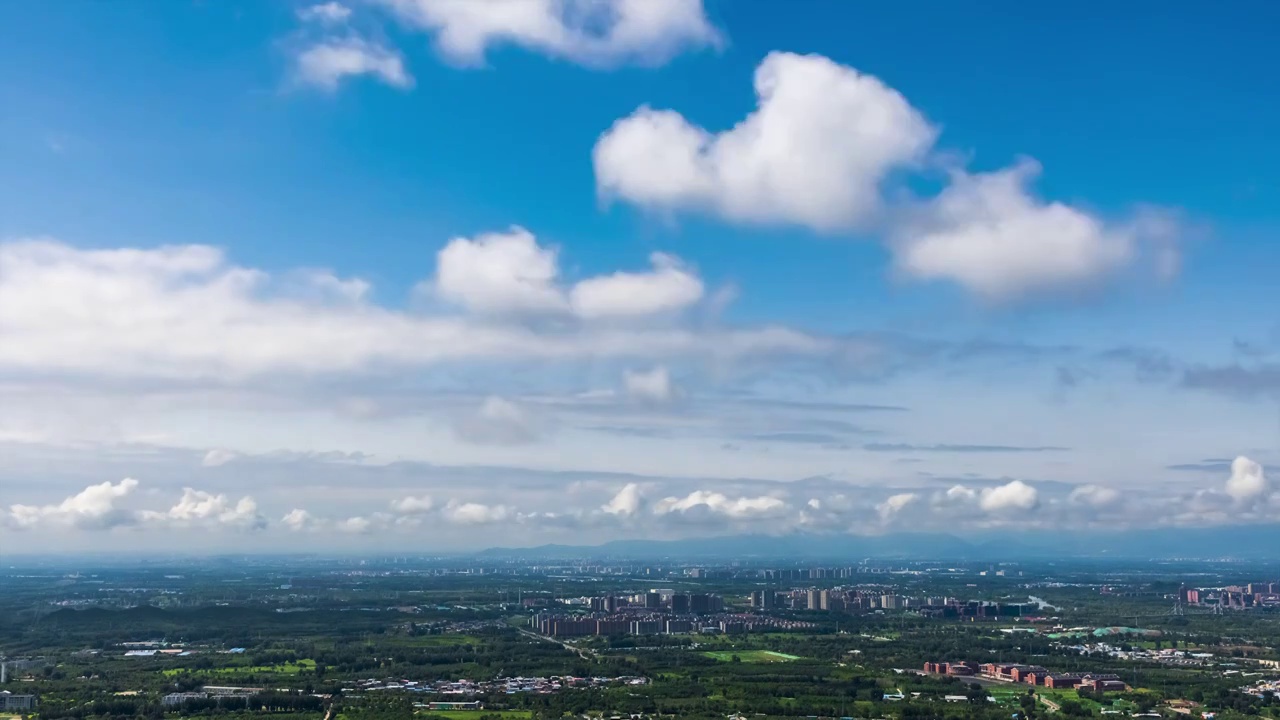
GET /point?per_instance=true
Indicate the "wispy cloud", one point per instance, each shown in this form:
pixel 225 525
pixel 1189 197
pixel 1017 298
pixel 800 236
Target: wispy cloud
pixel 952 448
pixel 327 63
pixel 594 33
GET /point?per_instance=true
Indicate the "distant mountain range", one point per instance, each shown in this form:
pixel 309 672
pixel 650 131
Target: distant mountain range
pixel 1245 542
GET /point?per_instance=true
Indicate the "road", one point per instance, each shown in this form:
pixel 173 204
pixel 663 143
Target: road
pixel 583 653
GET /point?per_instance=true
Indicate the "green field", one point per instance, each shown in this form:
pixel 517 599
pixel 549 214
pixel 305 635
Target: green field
pixel 289 668
pixel 1089 703
pixel 474 714
pixel 440 640
pixel 750 656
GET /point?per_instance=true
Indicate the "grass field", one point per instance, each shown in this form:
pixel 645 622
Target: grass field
pixel 439 640
pixel 474 714
pixel 750 656
pixel 1089 704
pixel 1005 696
pixel 290 668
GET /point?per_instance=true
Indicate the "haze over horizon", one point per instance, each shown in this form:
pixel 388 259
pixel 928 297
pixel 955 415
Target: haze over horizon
pixel 400 274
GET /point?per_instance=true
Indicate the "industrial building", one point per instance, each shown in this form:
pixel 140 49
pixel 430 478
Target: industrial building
pixel 9 701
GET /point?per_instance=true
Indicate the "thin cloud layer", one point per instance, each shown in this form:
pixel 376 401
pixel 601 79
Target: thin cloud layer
pixel 187 313
pixel 650 386
pixel 1095 496
pixel 329 13
pixel 498 422
pixel 327 51
pixel 327 63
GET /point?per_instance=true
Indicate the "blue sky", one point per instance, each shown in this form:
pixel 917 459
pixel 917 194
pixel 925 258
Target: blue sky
pixel 1133 330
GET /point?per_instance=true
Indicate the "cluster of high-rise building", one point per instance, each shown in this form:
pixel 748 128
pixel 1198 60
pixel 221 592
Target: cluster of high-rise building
pixel 978 609
pixel 581 626
pixel 1030 675
pixel 655 624
pixel 869 599
pixel 658 601
pixel 836 600
pixel 655 612
pixel 1235 597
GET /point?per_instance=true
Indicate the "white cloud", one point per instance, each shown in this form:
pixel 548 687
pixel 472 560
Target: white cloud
pixel 894 504
pixel 326 63
pixel 988 233
pixel 500 273
pixel 329 285
pixel 815 151
pixel 1015 495
pixel 498 422
pixel 669 287
pixel 1094 496
pixel 1248 481
pixel 350 501
pixel 198 507
pixel 413 505
pixel 653 386
pixel 740 507
pixel 472 513
pixel 97 508
pixel 218 457
pixel 93 508
pixel 626 503
pixel 329 13
pixel 510 273
pixel 596 33
pixel 299 520
pixel 354 525
pixel 186 313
